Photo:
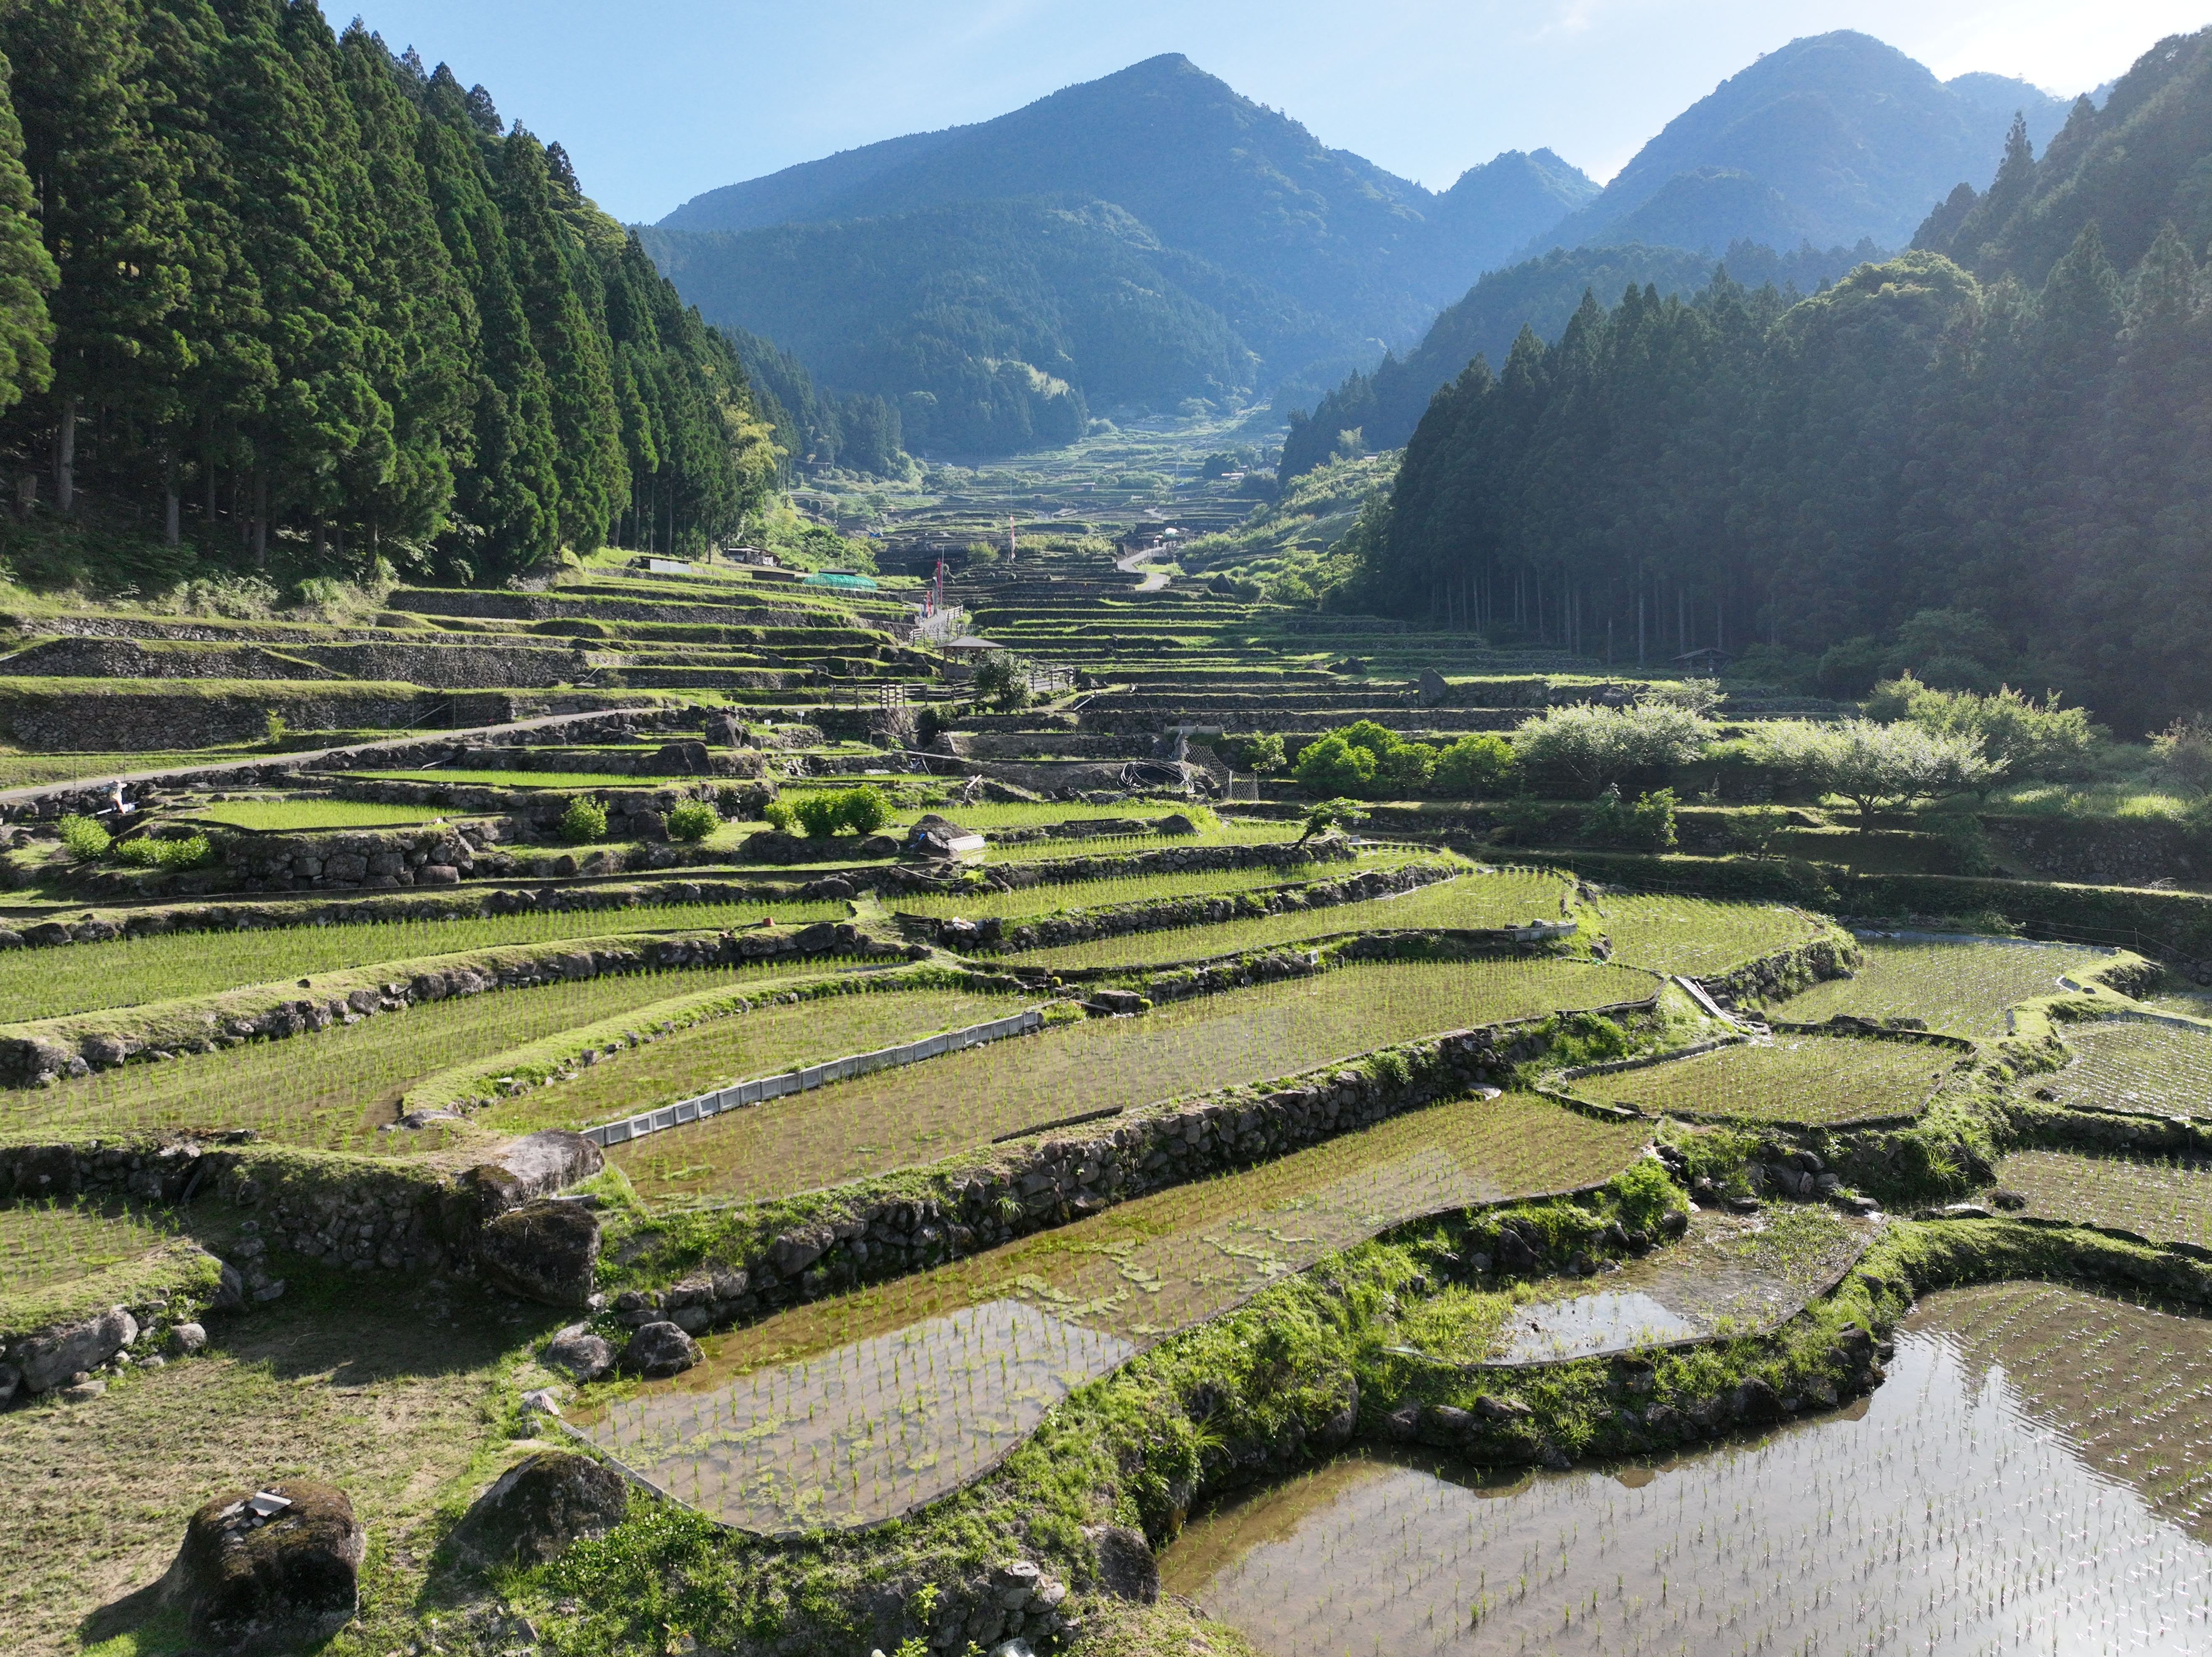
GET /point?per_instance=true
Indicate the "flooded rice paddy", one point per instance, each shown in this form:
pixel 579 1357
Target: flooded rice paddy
pixel 2034 1476
pixel 1104 1286
pixel 1961 985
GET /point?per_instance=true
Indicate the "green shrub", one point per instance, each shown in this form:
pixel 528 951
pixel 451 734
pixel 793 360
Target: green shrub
pixel 1752 831
pixel 1258 755
pixel 694 820
pixel 778 813
pixel 1002 681
pixel 1644 1192
pixel 1523 821
pixel 820 814
pixel 83 839
pixel 1646 826
pixel 862 810
pixel 1475 766
pixel 146 853
pixel 865 810
pixel 274 727
pixel 2029 741
pixel 585 821
pixel 1329 814
pixel 1406 768
pixel 1333 765
pixel 1596 746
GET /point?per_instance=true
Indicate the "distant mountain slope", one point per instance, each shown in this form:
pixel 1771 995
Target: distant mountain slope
pixel 2141 160
pixel 1385 406
pixel 1140 240
pixel 797 192
pixel 1849 137
pixel 1207 171
pixel 993 325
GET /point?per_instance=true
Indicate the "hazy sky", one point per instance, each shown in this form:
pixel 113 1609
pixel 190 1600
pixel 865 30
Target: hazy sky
pixel 659 100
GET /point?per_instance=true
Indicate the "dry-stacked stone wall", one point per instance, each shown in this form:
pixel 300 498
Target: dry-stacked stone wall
pixel 993 933
pixel 1038 1185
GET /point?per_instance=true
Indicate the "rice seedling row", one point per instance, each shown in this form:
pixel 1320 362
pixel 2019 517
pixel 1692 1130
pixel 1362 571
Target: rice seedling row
pixel 279 816
pixel 51 983
pixel 46 1243
pixel 1964 987
pixel 1952 1511
pixel 1697 939
pixel 336 1087
pixel 2167 1201
pixel 521 779
pixel 852 1411
pixel 1470 902
pixel 2134 1065
pixel 921 1113
pixel 1815 1080
pixel 1027 902
pixel 764 1040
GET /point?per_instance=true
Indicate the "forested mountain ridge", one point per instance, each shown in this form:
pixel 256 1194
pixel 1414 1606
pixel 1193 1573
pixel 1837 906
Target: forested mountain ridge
pixel 310 292
pixel 1206 172
pixel 1833 138
pixel 1383 407
pixel 1985 473
pixel 1142 240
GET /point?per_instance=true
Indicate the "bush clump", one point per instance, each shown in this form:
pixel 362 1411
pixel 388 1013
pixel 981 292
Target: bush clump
pixel 692 820
pixel 1474 766
pixel 1596 746
pixel 859 810
pixel 584 822
pixel 1646 826
pixel 1366 760
pixel 83 839
pixel 146 853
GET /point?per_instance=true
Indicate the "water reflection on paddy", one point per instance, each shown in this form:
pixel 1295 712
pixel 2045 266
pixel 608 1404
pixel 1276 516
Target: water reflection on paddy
pixel 2031 1477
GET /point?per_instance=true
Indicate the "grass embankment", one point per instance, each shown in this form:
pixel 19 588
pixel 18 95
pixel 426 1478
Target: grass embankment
pixel 280 817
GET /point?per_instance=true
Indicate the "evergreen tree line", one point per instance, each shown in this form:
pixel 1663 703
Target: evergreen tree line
pixel 1383 407
pixel 259 282
pixel 2000 475
pixel 859 430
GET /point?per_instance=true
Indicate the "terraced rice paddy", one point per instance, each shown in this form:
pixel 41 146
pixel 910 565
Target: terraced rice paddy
pixel 921 1112
pixel 900 1373
pixel 302 814
pixel 2165 1201
pixel 2030 1478
pixel 1027 902
pixel 1471 901
pixel 1696 938
pixel 335 1087
pixel 522 779
pixel 1731 1275
pixel 51 983
pixel 46 1244
pixel 1817 1080
pixel 1961 985
pixel 764 1041
pixel 2132 1064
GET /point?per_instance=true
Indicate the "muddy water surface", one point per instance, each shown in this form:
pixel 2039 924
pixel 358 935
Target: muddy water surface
pixel 2031 1477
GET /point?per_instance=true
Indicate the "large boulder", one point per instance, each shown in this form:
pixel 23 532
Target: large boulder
pixel 48 1360
pixel 539 1506
pixel 251 1584
pixel 658 1350
pixel 1124 1564
pixel 546 1251
pixel 584 1355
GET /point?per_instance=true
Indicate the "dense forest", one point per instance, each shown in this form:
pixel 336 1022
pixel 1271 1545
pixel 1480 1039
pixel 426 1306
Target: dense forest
pixel 857 431
pixel 1989 459
pixel 1371 412
pixel 267 289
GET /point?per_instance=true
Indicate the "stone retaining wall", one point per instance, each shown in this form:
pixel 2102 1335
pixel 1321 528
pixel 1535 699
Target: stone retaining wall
pixel 1168 914
pixel 866 1237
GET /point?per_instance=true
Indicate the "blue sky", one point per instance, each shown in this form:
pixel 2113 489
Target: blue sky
pixel 659 100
